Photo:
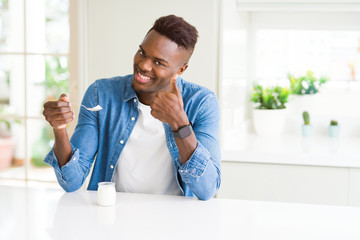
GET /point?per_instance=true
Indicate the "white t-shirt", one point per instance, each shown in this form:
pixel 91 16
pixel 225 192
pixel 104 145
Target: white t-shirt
pixel 145 164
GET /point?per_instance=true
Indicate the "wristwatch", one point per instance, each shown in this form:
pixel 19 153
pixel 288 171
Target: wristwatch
pixel 184 131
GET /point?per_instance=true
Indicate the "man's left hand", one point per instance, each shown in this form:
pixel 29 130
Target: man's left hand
pixel 168 107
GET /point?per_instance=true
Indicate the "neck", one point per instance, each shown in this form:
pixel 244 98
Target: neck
pixel 145 98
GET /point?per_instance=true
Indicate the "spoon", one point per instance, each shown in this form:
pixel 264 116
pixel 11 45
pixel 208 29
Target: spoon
pixel 94 109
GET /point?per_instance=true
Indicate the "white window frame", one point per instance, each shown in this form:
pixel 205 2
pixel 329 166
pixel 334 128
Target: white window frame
pixel 76 78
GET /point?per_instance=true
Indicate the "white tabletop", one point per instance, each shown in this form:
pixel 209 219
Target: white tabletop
pixel 35 213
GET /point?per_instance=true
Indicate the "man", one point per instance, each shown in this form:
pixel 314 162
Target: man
pixel 156 133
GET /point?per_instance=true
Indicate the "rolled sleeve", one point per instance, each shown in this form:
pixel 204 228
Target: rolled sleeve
pixel 196 165
pixel 201 173
pixel 68 176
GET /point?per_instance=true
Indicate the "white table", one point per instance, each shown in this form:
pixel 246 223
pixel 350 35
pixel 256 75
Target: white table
pixel 36 213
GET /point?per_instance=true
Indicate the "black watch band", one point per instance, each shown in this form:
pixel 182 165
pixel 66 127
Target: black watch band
pixel 184 131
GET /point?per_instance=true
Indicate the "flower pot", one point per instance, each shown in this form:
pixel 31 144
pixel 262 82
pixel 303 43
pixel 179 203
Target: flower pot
pixel 334 131
pixel 307 130
pixel 269 122
pixel 6 152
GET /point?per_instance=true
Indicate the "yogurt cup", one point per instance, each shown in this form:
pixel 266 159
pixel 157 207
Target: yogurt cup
pixel 106 194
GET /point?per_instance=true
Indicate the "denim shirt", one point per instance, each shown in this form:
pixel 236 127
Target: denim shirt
pixel 102 136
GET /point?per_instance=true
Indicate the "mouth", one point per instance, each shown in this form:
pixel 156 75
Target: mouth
pixel 142 78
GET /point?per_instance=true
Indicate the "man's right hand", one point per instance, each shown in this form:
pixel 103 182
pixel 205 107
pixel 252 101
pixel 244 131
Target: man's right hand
pixel 58 113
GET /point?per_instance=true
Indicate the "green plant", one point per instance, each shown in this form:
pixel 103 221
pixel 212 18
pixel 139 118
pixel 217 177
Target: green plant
pixel 4 78
pixel 56 82
pixel 56 77
pixel 270 97
pixel 5 126
pixel 333 123
pixel 308 84
pixel 306 118
pixel 42 146
pixel 6 122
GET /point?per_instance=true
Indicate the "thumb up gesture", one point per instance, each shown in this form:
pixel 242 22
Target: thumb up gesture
pixel 168 107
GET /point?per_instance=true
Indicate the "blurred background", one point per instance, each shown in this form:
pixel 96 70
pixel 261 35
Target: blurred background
pixel 34 68
pixel 310 49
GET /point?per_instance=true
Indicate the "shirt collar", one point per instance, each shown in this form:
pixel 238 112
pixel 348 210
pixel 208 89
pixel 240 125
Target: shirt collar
pixel 179 82
pixel 129 92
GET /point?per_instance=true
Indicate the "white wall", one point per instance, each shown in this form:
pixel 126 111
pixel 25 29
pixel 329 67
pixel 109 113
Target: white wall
pixel 116 28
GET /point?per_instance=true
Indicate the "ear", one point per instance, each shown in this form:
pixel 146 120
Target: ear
pixel 182 69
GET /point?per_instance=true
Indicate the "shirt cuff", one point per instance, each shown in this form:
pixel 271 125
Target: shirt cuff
pixel 196 165
pixel 51 160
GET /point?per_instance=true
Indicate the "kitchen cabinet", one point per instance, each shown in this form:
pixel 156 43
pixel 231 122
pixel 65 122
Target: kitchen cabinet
pixel 282 171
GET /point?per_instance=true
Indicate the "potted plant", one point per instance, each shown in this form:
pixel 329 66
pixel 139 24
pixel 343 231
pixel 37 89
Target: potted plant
pixel 334 129
pixel 306 128
pixel 7 144
pixel 305 91
pixel 307 84
pixel 7 141
pixel 269 112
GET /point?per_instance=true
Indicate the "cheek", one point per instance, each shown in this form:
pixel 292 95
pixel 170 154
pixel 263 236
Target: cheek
pixel 163 73
pixel 164 78
pixel 136 58
pixel 166 73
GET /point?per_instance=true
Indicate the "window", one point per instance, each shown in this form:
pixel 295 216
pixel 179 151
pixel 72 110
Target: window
pixel 263 41
pixel 34 67
pixel 334 53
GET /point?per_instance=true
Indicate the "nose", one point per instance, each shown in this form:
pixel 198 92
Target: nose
pixel 145 65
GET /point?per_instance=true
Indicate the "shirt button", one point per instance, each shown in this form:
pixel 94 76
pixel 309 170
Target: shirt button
pixel 111 166
pixel 132 119
pixel 135 100
pixel 121 141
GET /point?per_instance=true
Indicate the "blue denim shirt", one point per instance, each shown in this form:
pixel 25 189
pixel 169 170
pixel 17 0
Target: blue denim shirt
pixel 102 136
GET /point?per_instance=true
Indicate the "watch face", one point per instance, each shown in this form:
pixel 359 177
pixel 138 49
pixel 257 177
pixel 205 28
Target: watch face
pixel 184 131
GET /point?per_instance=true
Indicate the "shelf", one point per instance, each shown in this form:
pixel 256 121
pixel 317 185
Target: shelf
pixel 294 150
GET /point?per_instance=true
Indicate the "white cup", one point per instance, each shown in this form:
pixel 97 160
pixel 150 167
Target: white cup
pixel 106 194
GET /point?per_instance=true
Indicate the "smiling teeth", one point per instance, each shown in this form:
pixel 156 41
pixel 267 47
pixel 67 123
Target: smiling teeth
pixel 143 77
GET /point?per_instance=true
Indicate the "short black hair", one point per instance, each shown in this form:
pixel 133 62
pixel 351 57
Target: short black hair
pixel 177 30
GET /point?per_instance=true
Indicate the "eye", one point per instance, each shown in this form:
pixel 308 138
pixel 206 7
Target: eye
pixel 159 63
pixel 141 52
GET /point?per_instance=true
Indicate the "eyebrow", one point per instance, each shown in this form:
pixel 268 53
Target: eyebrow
pixel 155 58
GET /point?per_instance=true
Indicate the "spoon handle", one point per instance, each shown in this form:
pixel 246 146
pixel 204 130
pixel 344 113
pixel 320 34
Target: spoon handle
pixel 94 109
